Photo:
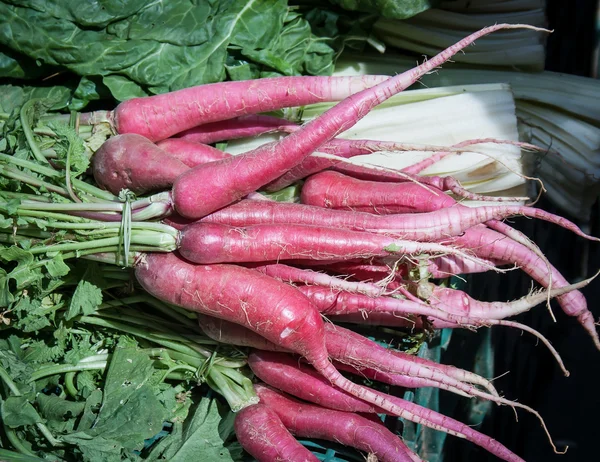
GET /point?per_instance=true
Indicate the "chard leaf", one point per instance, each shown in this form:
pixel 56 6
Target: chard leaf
pixel 123 88
pixel 155 47
pixel 395 9
pixel 97 14
pixel 15 66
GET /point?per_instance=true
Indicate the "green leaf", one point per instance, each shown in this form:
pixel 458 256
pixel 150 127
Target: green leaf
pixel 10 456
pixel 123 88
pixel 13 96
pixel 57 267
pixel 200 438
pixel 156 47
pixel 53 407
pixel 97 14
pixel 17 411
pixel 86 298
pixel 15 66
pixel 90 411
pixel 395 9
pixel 23 274
pixel 130 411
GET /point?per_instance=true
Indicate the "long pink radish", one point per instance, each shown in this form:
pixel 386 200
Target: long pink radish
pixel 340 149
pixel 191 154
pixel 234 334
pixel 283 372
pixel 389 319
pixel 232 129
pixel 345 148
pixel 361 356
pixel 209 187
pixel 162 116
pixel 261 433
pixel 337 191
pixel 350 429
pixel 272 309
pixel 215 243
pixel 489 244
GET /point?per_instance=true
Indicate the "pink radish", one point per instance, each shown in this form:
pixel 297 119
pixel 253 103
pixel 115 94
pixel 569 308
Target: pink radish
pixel 232 129
pixel 261 433
pixel 161 116
pixel 214 243
pixel 310 421
pixel 209 187
pixel 283 372
pixel 148 169
pixel 274 310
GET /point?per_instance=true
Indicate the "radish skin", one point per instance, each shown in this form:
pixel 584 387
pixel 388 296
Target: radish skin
pixel 270 308
pixel 232 129
pixel 349 429
pixel 285 373
pixel 261 433
pixel 215 243
pixel 209 187
pixel 161 116
pixel 191 154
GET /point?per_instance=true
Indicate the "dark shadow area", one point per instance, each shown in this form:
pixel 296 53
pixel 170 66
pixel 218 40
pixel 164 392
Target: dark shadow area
pixel 570 406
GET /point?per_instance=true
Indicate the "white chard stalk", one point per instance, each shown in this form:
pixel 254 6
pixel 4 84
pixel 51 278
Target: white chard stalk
pixel 443 117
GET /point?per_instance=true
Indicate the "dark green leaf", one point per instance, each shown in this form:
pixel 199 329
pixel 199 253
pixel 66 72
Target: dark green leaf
pixel 395 9
pixel 10 456
pixel 130 411
pixel 86 298
pixel 17 411
pixel 52 407
pixel 200 438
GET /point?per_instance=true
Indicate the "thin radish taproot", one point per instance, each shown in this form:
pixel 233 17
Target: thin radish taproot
pixel 284 372
pixel 340 149
pixel 291 274
pixel 261 433
pixel 209 187
pixel 489 244
pixel 234 334
pixel 358 355
pixel 350 429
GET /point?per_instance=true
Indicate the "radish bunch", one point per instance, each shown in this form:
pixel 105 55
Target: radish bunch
pixel 263 274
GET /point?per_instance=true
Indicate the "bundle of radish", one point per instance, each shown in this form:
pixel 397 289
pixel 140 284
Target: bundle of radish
pixel 218 249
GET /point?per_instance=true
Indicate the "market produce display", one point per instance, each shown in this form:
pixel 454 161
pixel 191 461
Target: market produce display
pixel 170 290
